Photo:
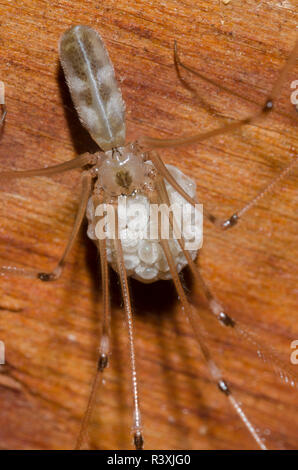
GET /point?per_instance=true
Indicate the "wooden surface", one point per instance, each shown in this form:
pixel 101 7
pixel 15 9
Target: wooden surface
pixel 51 330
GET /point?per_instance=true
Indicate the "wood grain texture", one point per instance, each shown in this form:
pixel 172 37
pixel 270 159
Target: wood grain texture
pixel 51 330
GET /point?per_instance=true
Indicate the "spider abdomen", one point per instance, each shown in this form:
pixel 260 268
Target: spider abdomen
pixel 94 90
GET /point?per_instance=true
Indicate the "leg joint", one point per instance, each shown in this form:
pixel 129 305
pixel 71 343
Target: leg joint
pixel 230 222
pixel 102 362
pixel 138 440
pixel 45 277
pixel 223 387
pixel 226 320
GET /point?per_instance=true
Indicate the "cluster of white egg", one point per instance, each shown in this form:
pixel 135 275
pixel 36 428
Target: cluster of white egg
pixel 143 255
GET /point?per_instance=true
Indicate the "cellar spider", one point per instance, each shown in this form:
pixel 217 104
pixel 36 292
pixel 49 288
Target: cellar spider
pixel 128 170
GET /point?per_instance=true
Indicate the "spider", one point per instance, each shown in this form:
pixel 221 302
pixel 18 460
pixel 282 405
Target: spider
pixel 121 170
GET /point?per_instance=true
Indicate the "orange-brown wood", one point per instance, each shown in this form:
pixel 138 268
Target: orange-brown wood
pixel 51 330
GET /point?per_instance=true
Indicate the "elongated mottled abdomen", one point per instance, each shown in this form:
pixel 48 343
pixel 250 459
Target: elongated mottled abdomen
pixel 91 80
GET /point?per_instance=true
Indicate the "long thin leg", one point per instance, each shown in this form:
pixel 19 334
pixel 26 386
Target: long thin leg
pixel 162 169
pixel 268 355
pixel 149 143
pixel 223 224
pixel 137 426
pixel 186 85
pixel 234 218
pixel 212 366
pixel 216 309
pixel 178 63
pixel 56 273
pixel 104 346
pixel 78 162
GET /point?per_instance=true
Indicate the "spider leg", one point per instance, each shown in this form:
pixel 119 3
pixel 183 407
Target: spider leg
pixel 178 63
pixel 56 273
pixel 104 345
pixel 78 162
pixel 212 366
pixel 149 143
pixel 190 88
pixel 223 224
pixel 137 426
pixel 234 218
pixel 268 355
